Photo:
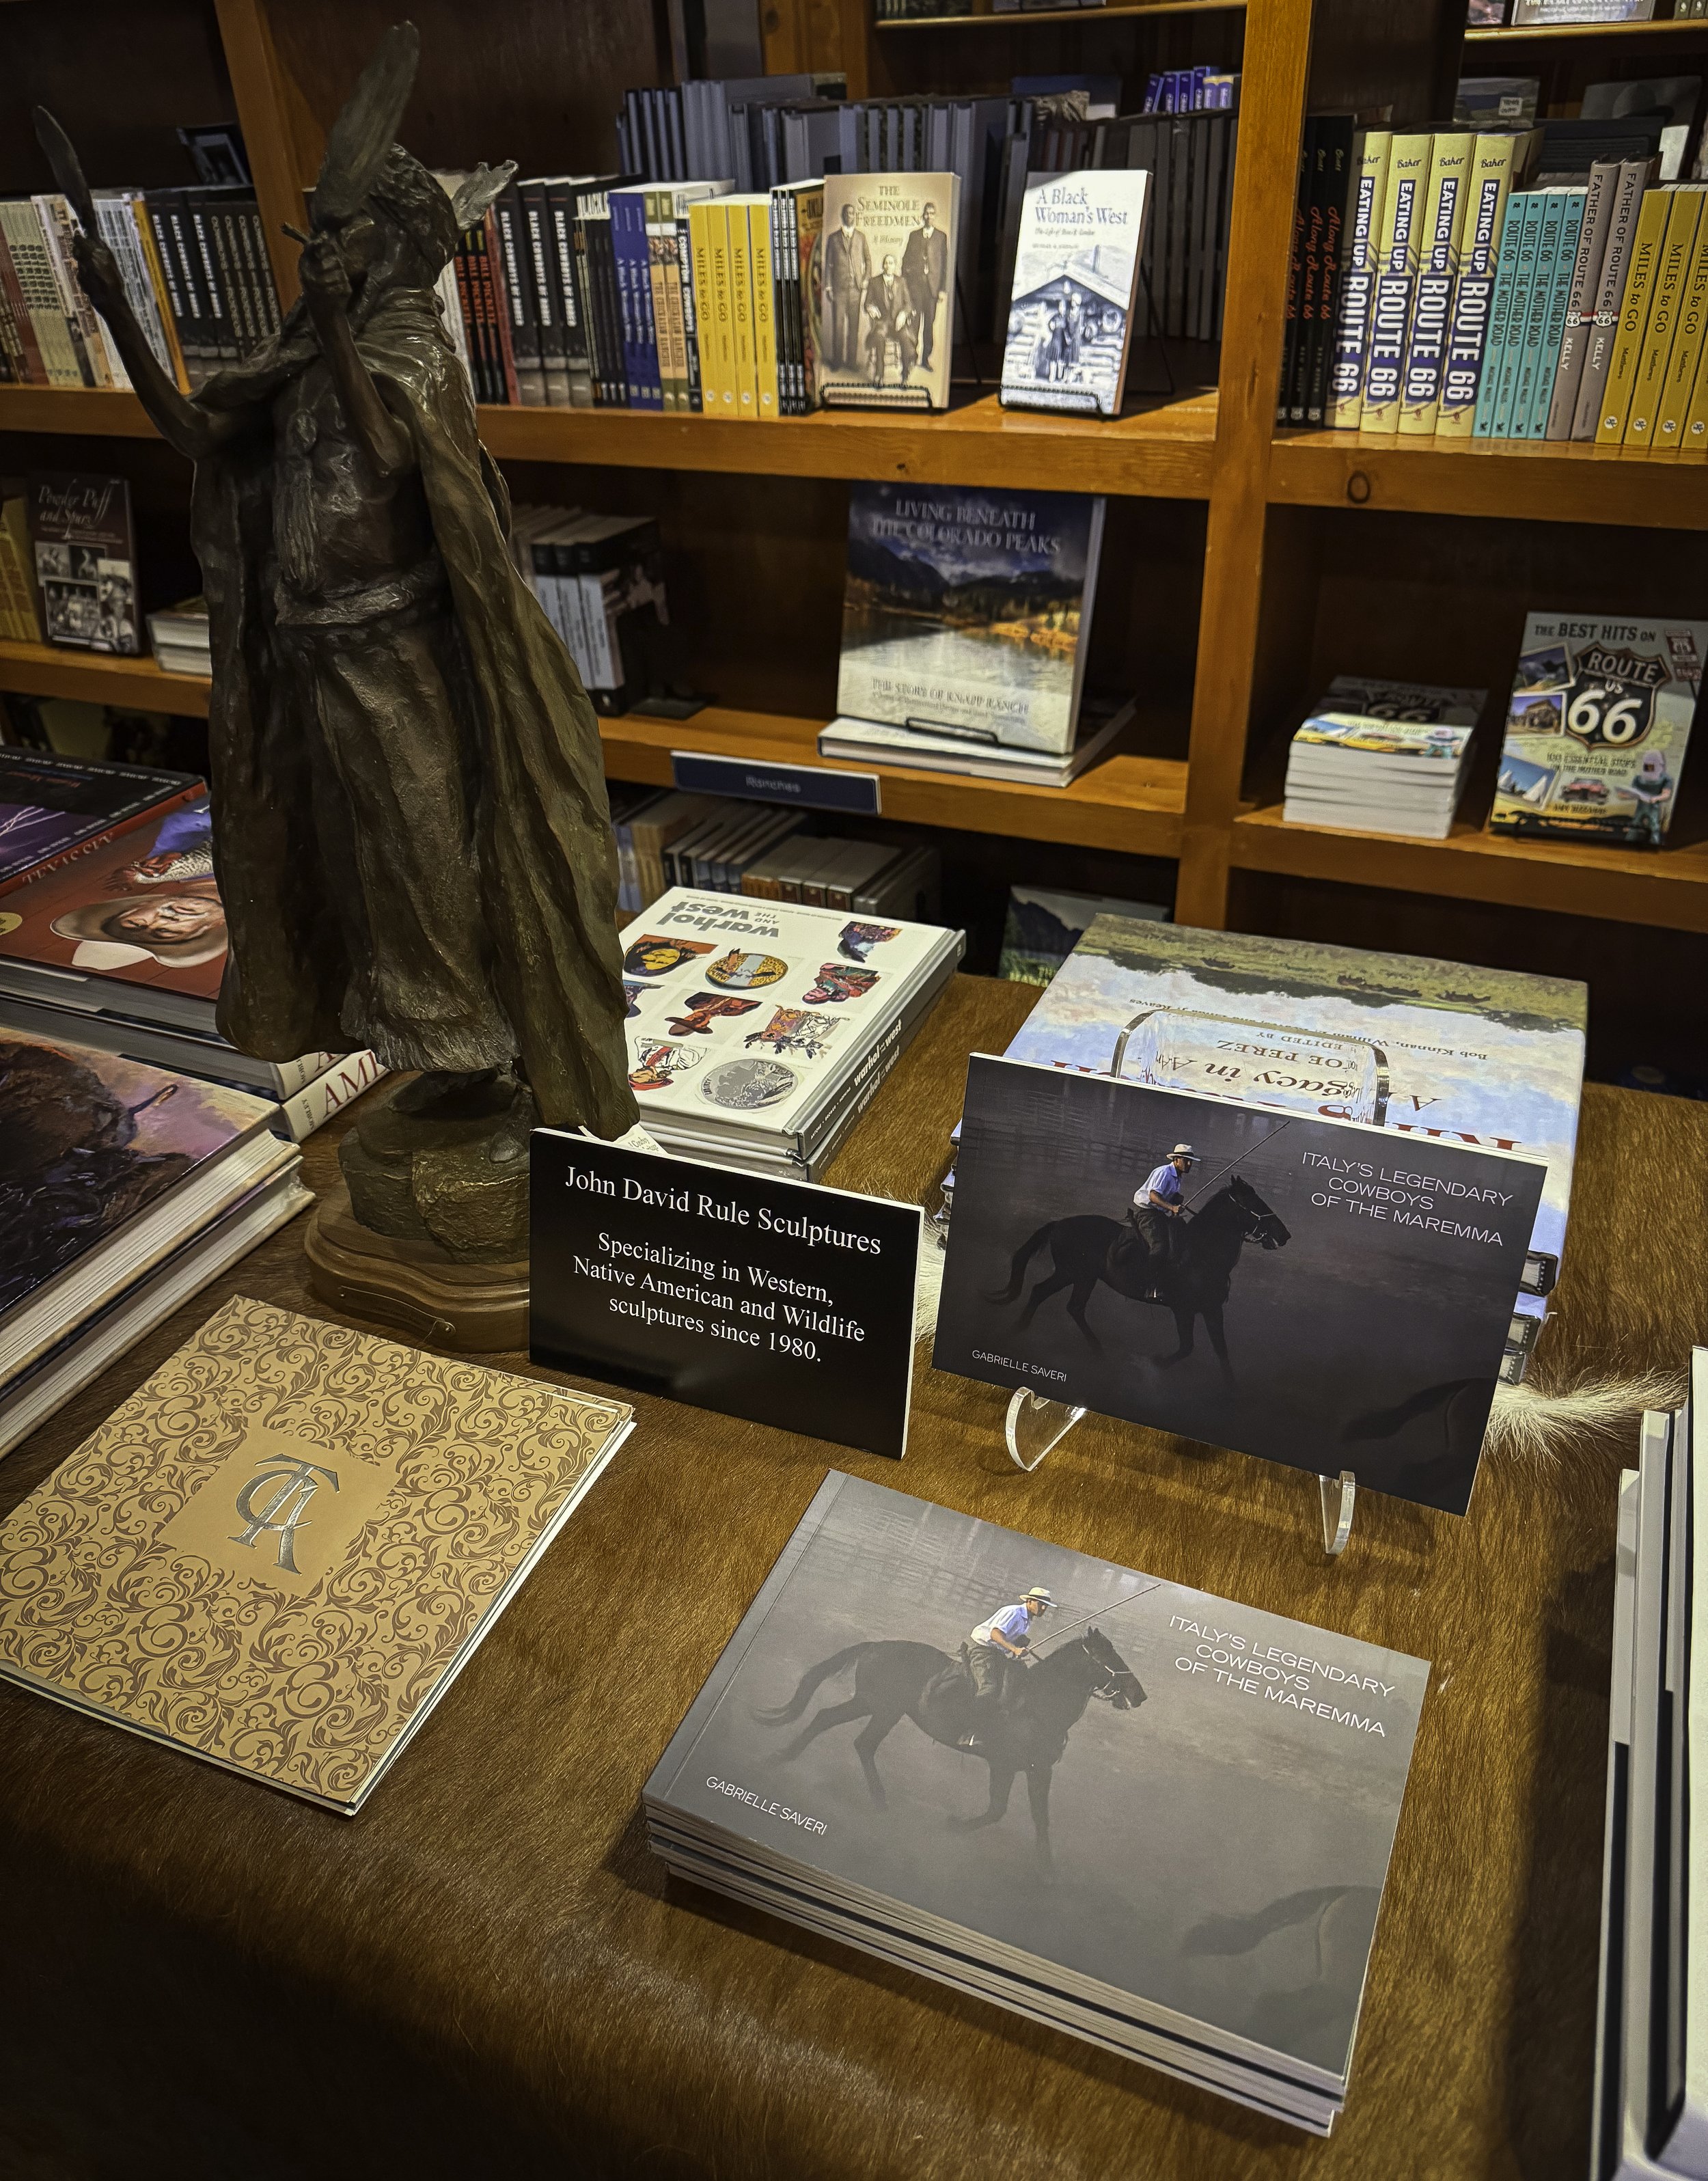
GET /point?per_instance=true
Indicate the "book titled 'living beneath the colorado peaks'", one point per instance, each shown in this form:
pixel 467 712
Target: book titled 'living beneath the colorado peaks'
pixel 969 611
pixel 1190 1870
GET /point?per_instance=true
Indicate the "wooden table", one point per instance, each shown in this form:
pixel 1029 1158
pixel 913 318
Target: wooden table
pixel 487 1974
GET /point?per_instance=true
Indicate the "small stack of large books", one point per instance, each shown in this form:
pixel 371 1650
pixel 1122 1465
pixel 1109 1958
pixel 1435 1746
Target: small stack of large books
pixel 114 935
pixel 759 1029
pixel 1651 2071
pixel 600 579
pixel 966 621
pixel 124 1190
pixel 180 638
pixel 1194 1877
pixel 1383 757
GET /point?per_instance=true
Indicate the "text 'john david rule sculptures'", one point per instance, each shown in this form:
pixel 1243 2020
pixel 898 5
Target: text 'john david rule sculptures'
pixel 411 827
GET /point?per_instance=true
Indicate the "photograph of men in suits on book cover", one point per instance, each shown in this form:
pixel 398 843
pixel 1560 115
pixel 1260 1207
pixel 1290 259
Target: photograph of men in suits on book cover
pixel 887 300
pixel 1042 1748
pixel 1316 1292
pixel 847 275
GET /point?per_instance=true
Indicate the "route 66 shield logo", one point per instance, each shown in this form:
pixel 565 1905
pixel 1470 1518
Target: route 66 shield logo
pixel 745 973
pixel 652 957
pixel 659 1062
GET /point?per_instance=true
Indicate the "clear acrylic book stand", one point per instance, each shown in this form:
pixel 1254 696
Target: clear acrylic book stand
pixel 1036 1427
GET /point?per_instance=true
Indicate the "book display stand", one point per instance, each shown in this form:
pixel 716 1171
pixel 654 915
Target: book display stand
pixel 1036 1426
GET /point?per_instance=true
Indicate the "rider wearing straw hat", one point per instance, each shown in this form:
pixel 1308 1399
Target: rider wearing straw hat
pixel 990 1646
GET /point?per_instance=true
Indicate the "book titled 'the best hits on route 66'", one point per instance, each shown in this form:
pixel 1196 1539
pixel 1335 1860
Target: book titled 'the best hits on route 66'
pixel 1170 1835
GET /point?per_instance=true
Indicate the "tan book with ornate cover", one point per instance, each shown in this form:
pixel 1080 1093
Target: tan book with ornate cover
pixel 279 1553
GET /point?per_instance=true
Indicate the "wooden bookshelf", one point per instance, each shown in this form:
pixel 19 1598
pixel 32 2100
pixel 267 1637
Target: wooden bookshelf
pixel 1238 580
pixel 54 669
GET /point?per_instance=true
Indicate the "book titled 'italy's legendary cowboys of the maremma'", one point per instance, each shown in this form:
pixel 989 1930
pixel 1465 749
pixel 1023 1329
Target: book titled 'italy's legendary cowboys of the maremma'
pixel 337 1522
pixel 1172 1837
pixel 1076 270
pixel 968 611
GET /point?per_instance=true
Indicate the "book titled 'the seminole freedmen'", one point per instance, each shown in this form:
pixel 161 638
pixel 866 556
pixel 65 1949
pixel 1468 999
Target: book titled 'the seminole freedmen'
pixel 1192 1876
pixel 886 297
pixel 1076 276
pixel 337 1522
pixel 967 612
pixel 1442 1051
pixel 1601 713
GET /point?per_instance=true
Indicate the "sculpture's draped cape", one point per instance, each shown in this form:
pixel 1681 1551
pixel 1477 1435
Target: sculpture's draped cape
pixel 543 826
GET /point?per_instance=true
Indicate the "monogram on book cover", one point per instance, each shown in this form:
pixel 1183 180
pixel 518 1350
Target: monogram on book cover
pixel 275 1554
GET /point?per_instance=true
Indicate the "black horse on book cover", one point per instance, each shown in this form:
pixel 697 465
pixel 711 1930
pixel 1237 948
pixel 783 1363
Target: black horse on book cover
pixel 1088 1248
pixel 898 1681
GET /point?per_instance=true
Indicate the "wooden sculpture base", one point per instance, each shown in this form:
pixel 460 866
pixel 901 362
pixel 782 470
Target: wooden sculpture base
pixel 413 1288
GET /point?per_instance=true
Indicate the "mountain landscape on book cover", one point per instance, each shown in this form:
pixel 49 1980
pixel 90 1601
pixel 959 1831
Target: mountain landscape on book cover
pixel 145 909
pixel 1325 1296
pixel 1208 1849
pixel 86 562
pixel 1489 1057
pixel 50 804
pixel 969 610
pixel 1075 272
pixel 87 1140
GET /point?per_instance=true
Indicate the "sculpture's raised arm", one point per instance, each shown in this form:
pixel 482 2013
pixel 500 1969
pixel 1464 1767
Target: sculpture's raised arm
pixel 183 424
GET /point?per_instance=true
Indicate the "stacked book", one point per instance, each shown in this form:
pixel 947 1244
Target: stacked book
pixel 966 621
pixel 194 267
pixel 1160 1921
pixel 181 639
pixel 1383 757
pixel 1547 283
pixel 760 1028
pixel 1650 2110
pixel 125 1190
pixel 723 845
pixel 114 935
pixel 600 579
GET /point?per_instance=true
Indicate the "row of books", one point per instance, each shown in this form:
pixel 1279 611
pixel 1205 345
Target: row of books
pixel 1596 729
pixel 1191 90
pixel 600 579
pixel 1543 14
pixel 761 1028
pixel 114 934
pixel 724 846
pixel 195 271
pixel 1650 2115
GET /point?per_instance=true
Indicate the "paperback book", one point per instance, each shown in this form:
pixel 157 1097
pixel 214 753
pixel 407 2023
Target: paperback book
pixel 86 562
pixel 1596 729
pixel 1167 1887
pixel 1071 315
pixel 887 299
pixel 1384 757
pixel 968 613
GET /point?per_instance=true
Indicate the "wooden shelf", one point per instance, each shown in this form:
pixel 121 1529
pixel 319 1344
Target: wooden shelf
pixel 1525 33
pixel 1009 22
pixel 53 670
pixel 73 409
pixel 1127 802
pixel 1669 887
pixel 1549 481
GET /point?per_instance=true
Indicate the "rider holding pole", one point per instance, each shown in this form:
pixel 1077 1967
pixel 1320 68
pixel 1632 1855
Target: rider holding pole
pixel 991 1646
pixel 1157 1205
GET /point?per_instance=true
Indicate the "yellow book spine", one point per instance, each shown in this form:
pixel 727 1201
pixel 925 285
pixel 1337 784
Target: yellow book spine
pixel 1438 272
pixel 746 374
pixel 764 313
pixel 1678 247
pixel 1634 318
pixel 1684 364
pixel 723 306
pixel 157 279
pixel 1495 161
pixel 705 341
pixel 671 373
pixel 1397 273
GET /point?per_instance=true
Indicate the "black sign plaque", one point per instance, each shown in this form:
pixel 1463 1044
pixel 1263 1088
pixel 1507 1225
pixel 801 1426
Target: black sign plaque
pixel 782 1302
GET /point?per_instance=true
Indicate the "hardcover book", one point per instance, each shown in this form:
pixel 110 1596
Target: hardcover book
pixel 1076 282
pixel 886 297
pixel 1596 729
pixel 1431 1050
pixel 969 612
pixel 1316 1295
pixel 52 806
pixel 1194 1876
pixel 279 1478
pixel 86 562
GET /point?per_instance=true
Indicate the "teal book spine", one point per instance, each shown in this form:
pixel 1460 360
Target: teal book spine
pixel 1519 208
pixel 1535 421
pixel 1542 203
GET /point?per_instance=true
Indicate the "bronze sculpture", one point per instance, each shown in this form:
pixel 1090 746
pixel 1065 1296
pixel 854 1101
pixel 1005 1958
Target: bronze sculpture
pixel 410 826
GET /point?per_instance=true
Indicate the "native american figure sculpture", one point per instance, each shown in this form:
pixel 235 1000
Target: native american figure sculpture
pixel 411 834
